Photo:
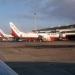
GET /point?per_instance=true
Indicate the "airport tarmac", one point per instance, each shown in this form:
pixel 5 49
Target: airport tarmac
pixel 59 51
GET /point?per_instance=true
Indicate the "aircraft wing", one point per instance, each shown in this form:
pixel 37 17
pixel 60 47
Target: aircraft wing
pixel 6 70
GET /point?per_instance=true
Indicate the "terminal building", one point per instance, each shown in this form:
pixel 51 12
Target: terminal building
pixel 65 32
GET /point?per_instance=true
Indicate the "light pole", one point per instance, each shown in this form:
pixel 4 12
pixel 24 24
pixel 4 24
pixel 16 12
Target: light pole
pixel 34 20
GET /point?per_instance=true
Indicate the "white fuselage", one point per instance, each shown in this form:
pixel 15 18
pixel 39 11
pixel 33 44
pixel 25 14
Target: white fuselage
pixel 28 35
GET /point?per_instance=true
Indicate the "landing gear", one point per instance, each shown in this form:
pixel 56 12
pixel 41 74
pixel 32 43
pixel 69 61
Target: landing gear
pixel 40 38
pixel 16 39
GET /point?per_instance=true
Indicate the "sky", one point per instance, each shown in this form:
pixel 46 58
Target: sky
pixel 28 15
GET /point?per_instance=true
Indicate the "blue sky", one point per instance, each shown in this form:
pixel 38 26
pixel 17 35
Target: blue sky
pixel 49 13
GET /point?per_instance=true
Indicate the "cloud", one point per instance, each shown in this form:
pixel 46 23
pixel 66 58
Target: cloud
pixel 60 8
pixel 47 9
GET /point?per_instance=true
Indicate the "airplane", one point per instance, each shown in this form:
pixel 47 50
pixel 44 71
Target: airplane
pixel 31 36
pixel 19 35
pixel 5 37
